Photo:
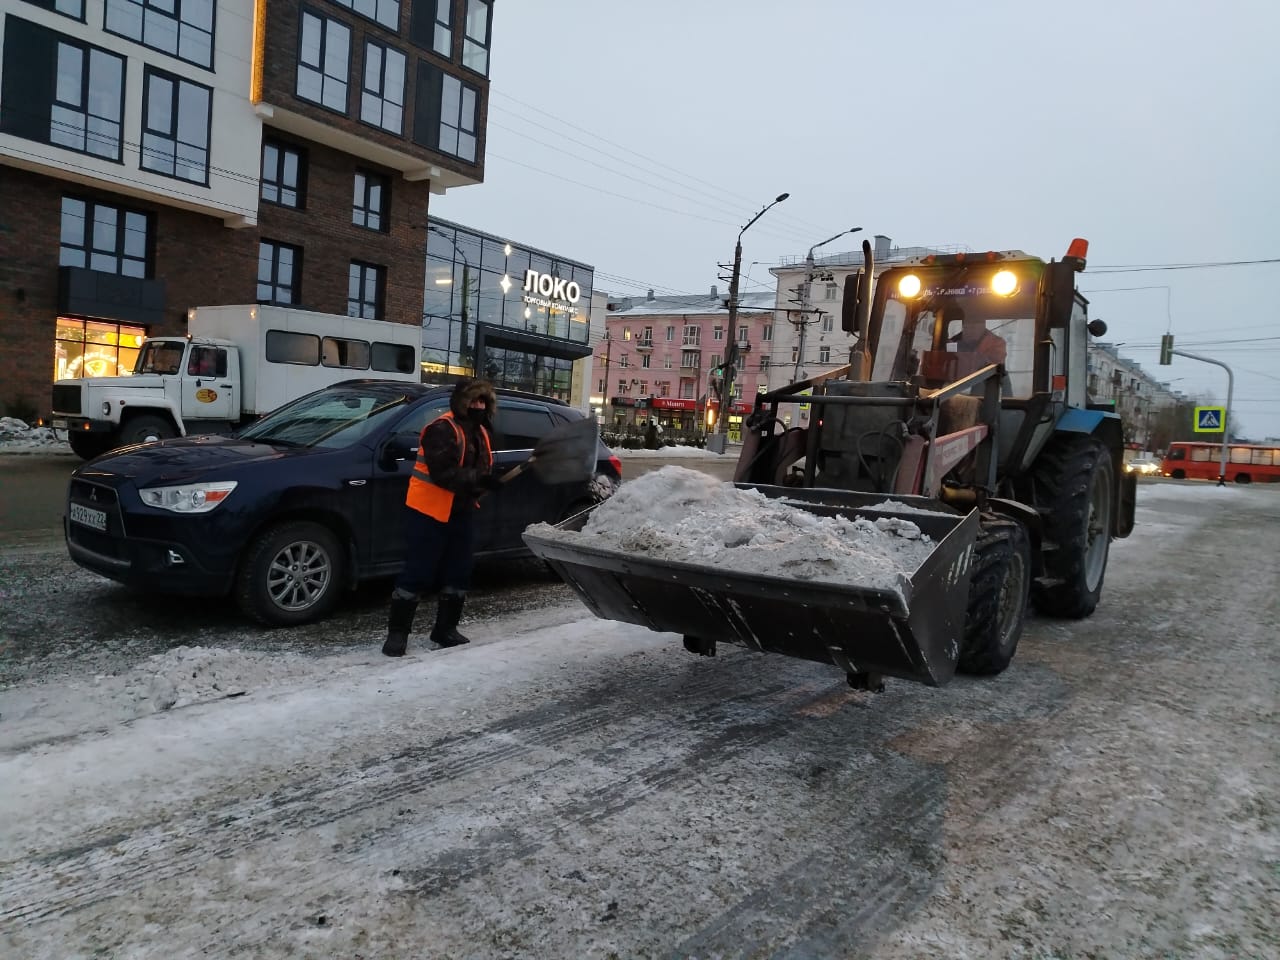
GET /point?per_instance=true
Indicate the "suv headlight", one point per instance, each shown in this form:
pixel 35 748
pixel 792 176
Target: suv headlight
pixel 188 498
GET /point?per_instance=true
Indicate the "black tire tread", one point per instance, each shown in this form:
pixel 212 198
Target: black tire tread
pixel 981 653
pixel 1063 474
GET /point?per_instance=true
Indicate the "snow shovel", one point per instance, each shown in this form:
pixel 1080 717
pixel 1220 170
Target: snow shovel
pixel 565 455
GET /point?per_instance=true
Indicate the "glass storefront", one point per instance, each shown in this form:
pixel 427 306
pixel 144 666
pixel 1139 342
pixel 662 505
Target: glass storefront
pixel 95 348
pixel 514 314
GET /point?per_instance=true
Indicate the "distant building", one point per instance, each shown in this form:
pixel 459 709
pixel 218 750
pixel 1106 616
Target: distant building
pixel 156 157
pixel 659 355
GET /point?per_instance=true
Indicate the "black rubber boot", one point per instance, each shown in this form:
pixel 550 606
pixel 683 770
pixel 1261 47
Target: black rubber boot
pixel 399 623
pixel 448 613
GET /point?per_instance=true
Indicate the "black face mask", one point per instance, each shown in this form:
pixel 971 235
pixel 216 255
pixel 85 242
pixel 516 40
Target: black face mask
pixel 478 416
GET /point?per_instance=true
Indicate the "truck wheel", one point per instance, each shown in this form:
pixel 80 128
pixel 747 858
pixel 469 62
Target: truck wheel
pixel 998 594
pixel 86 446
pixel 1075 498
pixel 145 429
pixel 292 573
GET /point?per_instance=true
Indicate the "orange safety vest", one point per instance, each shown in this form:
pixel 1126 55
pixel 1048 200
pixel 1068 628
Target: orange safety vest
pixel 428 497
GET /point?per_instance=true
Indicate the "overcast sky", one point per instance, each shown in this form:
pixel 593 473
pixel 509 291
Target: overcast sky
pixel 639 137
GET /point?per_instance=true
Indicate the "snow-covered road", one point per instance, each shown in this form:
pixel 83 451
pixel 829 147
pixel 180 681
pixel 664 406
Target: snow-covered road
pixel 566 787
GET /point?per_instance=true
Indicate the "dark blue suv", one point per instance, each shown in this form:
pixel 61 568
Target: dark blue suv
pixel 305 502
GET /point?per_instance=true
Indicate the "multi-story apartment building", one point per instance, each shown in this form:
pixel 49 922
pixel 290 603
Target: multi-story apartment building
pixel 157 156
pixel 659 355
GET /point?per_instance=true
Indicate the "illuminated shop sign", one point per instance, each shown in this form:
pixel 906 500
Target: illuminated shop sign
pixel 544 290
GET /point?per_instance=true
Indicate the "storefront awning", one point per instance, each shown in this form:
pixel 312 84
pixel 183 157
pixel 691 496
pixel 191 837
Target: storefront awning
pixel 489 335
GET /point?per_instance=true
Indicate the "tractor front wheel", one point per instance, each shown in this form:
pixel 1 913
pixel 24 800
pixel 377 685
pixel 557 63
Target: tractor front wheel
pixel 1075 496
pixel 998 594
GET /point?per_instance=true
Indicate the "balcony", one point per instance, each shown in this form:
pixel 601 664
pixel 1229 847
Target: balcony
pixel 744 346
pixel 644 344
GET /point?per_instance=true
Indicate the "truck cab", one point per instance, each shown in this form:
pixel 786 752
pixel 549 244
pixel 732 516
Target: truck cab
pixel 179 385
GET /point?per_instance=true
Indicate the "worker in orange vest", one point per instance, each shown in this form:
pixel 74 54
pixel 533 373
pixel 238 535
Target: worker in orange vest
pixel 454 465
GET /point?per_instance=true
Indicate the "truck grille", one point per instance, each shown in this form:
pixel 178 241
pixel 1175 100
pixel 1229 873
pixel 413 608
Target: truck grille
pixel 66 398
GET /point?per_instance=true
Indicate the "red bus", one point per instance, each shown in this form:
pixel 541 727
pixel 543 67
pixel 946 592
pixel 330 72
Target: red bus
pixel 1246 462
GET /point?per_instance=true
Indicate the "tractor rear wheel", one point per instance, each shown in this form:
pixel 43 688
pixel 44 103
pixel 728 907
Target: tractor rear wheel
pixel 998 595
pixel 1075 496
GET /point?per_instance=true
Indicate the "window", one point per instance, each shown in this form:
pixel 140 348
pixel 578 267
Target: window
pixel 828 323
pixel 625 361
pixel 795 354
pixel 207 362
pixel 180 28
pixel 88 101
pixel 366 287
pixel 431 26
pixel 824 354
pixel 519 428
pixel 664 389
pixel 644 360
pixel 644 387
pixel 742 334
pixel 282 174
pixel 475 41
pixel 70 8
pixel 341 352
pixel 692 336
pixel 689 359
pixel 766 332
pixel 831 291
pixel 600 387
pixel 717 333
pixel 324 60
pixel 61 92
pixel 370 201
pixel 458 104
pixel 279 273
pixel 626 333
pixel 764 363
pixel 175 127
pixel 392 357
pixel 382 95
pixel 385 12
pixel 92 348
pixel 671 334
pixel 446 117
pixel 299 348
pixel 105 238
pixel 666 362
pixel 646 338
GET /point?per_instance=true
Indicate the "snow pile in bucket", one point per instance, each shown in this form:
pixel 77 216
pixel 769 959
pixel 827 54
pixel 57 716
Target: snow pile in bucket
pixel 675 513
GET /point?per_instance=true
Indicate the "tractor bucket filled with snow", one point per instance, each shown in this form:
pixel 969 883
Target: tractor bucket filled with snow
pixel 873 586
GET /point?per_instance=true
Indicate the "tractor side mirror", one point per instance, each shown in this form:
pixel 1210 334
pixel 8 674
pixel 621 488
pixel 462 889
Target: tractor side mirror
pixel 1097 327
pixel 849 305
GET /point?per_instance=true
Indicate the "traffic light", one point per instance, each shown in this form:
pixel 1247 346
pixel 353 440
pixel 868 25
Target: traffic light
pixel 1166 349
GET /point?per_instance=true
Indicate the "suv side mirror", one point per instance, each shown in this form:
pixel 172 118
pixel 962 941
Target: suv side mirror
pixel 400 447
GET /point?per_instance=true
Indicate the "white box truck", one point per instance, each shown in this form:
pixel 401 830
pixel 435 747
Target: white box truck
pixel 235 364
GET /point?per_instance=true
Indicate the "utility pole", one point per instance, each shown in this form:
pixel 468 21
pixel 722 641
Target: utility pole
pixel 805 299
pixel 731 354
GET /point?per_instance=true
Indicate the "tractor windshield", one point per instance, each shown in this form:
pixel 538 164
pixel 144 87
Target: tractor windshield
pixel 943 323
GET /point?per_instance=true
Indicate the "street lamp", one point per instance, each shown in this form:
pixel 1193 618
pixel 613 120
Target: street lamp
pixel 731 354
pixel 804 305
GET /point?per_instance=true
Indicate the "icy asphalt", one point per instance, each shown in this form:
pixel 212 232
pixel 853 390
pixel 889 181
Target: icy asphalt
pixel 565 787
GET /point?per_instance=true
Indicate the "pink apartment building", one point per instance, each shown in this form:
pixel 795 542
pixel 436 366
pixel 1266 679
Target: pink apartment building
pixel 659 356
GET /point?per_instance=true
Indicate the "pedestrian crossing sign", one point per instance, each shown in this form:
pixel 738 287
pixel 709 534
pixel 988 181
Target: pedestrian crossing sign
pixel 1210 419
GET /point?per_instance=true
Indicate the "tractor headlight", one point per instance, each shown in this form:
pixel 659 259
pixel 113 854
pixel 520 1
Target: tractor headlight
pixel 188 498
pixel 1004 283
pixel 909 286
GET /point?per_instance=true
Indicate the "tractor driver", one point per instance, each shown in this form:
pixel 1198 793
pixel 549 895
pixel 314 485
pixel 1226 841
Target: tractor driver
pixel 974 338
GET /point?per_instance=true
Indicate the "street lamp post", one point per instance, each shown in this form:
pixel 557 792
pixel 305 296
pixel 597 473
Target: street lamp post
pixel 805 307
pixel 731 353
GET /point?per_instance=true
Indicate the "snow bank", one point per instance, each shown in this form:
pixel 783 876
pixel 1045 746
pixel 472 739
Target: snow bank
pixel 17 436
pixel 675 513
pixel 667 453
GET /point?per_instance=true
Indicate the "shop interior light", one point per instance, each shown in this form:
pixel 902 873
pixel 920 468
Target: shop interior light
pixel 443 281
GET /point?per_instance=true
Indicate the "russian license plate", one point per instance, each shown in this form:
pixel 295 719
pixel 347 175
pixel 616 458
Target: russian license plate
pixel 58 424
pixel 89 516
